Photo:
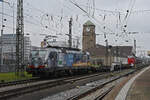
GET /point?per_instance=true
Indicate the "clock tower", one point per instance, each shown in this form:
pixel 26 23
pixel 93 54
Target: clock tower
pixel 89 36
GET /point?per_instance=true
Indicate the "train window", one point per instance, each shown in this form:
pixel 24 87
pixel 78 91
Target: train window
pixel 34 53
pixel 39 53
pixel 42 53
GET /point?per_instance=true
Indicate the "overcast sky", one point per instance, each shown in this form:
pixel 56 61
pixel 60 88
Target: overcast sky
pixel 55 15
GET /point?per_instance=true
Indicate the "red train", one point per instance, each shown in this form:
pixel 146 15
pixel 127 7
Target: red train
pixel 131 61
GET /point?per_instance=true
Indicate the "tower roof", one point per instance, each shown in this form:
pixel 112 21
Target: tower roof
pixel 88 23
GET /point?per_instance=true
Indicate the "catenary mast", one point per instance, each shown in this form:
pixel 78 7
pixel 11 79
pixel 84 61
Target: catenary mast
pixel 20 38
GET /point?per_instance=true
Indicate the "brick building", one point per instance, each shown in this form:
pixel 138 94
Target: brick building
pixel 89 36
pixel 100 52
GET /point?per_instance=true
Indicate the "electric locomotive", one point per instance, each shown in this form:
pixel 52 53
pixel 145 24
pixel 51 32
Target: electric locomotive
pixel 55 60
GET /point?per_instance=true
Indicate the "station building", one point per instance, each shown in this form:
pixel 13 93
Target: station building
pixel 108 54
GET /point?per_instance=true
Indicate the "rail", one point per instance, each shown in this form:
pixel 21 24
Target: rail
pixel 82 95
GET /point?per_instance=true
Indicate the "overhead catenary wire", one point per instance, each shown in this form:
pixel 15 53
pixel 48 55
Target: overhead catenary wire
pixel 39 10
pixel 91 17
pixel 27 21
pixel 123 23
pixel 31 17
pixel 56 23
pixel 34 22
pixel 134 1
pixel 129 11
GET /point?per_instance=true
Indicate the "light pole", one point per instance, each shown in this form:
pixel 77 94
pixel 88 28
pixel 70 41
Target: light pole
pixel 2 29
pixel 110 55
pixel 12 6
pixel 106 52
pixel 70 32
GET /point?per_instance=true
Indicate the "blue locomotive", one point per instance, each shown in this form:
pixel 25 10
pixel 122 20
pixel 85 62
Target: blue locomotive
pixel 56 60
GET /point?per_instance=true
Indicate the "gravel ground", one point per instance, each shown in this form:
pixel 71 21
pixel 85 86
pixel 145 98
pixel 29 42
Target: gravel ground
pixel 38 95
pixel 78 90
pixel 59 90
pixel 2 89
pixel 100 91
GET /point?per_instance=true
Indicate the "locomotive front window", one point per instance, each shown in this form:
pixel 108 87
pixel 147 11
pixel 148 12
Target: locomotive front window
pixel 42 53
pixel 39 53
pixel 34 53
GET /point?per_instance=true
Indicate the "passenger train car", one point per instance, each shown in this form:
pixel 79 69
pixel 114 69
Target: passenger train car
pixel 52 60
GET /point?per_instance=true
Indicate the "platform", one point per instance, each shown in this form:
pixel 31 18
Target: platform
pixel 137 88
pixel 140 89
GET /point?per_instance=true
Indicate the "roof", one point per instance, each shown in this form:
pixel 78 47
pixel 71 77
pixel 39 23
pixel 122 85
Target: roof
pixel 100 50
pixel 123 51
pixel 66 48
pixel 88 23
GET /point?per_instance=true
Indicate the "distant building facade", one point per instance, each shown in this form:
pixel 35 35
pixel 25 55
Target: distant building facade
pixel 100 52
pixel 9 47
pixel 115 54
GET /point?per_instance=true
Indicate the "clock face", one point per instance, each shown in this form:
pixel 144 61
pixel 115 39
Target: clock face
pixel 88 29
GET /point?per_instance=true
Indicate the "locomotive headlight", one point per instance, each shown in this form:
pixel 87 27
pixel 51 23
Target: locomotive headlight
pixel 28 64
pixel 45 64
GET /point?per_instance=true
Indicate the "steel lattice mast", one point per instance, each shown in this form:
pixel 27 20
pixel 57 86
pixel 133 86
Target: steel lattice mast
pixel 20 37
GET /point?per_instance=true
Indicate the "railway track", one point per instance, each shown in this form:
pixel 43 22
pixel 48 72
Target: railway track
pixel 17 90
pixel 101 86
pixel 32 80
pixel 28 88
pixel 5 84
pixel 35 79
pixel 100 97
